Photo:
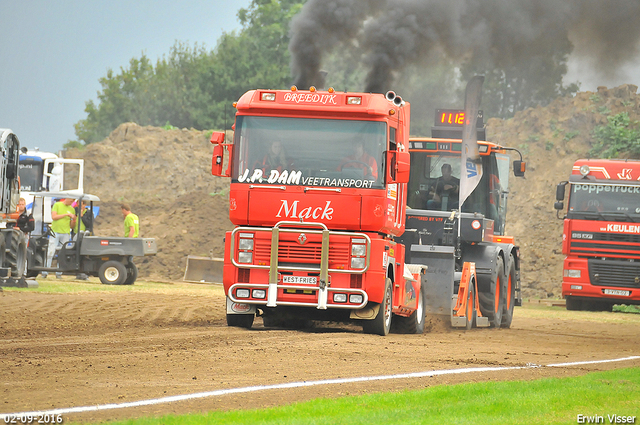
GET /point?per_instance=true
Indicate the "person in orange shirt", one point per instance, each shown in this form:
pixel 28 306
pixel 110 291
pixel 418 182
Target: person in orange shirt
pixel 362 160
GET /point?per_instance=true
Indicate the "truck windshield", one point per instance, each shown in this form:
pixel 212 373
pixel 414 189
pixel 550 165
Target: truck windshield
pixel 30 172
pixel 604 202
pixel 309 152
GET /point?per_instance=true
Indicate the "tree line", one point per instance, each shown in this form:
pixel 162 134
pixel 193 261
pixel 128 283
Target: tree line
pixel 194 87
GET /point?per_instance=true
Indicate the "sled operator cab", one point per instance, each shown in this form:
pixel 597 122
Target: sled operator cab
pixel 446 236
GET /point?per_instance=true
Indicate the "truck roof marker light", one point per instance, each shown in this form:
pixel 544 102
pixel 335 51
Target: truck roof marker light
pixel 271 97
pixel 331 90
pixel 312 89
pixel 235 104
pixel 294 88
pixel 392 111
pixel 584 170
pixel 354 100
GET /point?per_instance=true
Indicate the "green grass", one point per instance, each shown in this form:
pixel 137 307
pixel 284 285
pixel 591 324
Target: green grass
pixel 544 401
pixel 68 285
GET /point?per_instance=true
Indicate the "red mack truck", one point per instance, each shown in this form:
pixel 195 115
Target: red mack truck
pixel 601 236
pixel 318 193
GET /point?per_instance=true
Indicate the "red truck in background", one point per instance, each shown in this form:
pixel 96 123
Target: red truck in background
pixel 601 237
pixel 318 193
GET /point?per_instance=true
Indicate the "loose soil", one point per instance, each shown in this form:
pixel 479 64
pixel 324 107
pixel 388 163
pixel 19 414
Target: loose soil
pixel 95 348
pixel 92 348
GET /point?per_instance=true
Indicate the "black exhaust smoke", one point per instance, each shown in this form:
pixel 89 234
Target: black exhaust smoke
pixel 392 34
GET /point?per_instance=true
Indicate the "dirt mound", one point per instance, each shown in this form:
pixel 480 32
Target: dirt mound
pixel 166 176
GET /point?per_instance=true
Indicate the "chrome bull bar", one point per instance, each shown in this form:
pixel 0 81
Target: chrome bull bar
pixel 274 268
pixel 365 297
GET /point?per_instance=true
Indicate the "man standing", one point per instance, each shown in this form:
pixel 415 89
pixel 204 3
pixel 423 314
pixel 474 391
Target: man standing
pixel 131 222
pixel 62 214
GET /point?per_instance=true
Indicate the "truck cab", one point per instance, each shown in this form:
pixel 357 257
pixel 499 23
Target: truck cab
pixel 318 193
pixel 445 236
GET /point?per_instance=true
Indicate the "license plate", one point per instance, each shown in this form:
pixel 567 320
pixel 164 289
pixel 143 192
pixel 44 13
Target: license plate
pixel 311 280
pixel 617 292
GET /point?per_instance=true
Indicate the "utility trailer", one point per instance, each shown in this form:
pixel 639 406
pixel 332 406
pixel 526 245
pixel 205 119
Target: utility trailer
pixel 110 258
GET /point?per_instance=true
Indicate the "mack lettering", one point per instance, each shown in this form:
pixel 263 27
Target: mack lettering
pixel 319 212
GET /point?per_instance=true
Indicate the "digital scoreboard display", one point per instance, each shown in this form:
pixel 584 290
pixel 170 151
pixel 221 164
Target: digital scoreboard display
pixel 454 118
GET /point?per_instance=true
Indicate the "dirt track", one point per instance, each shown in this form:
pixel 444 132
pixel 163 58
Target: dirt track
pixel 94 348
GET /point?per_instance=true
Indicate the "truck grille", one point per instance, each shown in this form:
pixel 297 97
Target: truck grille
pixel 606 245
pixel 310 252
pixel 614 273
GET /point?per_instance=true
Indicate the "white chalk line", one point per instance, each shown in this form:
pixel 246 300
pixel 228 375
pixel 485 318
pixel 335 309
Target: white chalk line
pixel 228 391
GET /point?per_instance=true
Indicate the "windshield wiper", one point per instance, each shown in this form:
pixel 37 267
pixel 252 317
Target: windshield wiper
pixel 629 218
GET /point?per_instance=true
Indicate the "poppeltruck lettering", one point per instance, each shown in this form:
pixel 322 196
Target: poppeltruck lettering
pixel 599 188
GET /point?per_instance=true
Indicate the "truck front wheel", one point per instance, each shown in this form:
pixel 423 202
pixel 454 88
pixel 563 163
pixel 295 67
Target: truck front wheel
pixel 112 273
pixel 382 323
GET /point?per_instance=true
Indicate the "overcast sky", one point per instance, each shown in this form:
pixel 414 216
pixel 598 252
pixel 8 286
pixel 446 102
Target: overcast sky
pixel 53 52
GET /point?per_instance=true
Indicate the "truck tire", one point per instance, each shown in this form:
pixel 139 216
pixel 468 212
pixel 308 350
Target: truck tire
pixel 132 274
pixel 16 253
pixel 471 306
pixel 492 301
pixel 112 273
pixel 240 320
pixel 413 324
pixel 382 322
pixel 573 304
pixel 510 295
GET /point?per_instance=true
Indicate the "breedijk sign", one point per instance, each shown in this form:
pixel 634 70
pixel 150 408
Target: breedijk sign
pixel 321 99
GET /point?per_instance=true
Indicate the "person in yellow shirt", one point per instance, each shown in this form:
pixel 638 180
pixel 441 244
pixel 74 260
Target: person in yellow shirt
pixel 62 214
pixel 131 222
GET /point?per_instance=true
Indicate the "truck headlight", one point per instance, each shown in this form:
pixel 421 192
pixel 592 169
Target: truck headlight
pixel 245 257
pixel 259 293
pixel 242 293
pixel 245 244
pixel 358 250
pixel 355 298
pixel 340 298
pixel 357 263
pixel 571 273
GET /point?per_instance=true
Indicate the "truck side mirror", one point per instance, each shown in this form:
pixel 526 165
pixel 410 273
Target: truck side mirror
pixel 560 191
pixel 403 167
pixel 558 205
pixel 217 137
pixel 217 161
pixel 519 168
